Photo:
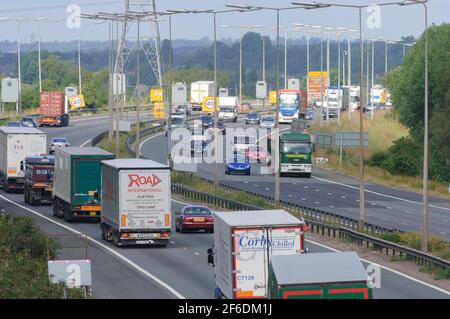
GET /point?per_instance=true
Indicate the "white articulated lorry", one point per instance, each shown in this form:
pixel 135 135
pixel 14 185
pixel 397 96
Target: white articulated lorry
pixel 136 206
pixel 200 90
pixel 244 243
pixel 17 143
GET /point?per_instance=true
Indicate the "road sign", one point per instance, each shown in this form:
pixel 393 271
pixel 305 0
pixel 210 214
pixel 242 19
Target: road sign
pixel 261 90
pixel 119 84
pixel 74 273
pixel 124 126
pixel 156 95
pixel 158 110
pixel 208 104
pixel 10 90
pixel 76 102
pixel 350 139
pixel 273 97
pixel 317 82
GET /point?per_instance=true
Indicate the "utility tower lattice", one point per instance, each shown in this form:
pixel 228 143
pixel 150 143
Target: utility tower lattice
pixel 151 49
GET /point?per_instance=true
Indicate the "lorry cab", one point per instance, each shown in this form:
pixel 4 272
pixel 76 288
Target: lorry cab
pixel 296 153
pixel 38 183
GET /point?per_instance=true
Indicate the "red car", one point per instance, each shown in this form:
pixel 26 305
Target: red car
pixel 194 218
pixel 258 154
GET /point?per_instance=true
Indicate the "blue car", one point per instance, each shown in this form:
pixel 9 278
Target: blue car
pixel 238 165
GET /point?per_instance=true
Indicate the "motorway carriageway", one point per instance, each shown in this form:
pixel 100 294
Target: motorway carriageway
pixel 176 271
pixel 330 191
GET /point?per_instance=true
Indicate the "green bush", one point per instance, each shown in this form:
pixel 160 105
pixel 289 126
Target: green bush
pixel 405 158
pixel 378 159
pixel 23 260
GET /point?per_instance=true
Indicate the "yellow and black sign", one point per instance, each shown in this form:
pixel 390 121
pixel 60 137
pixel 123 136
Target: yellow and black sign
pixel 208 104
pixel 158 110
pixel 76 102
pixel 156 95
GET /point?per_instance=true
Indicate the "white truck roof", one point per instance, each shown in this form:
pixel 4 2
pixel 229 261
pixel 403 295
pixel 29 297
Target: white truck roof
pixel 258 218
pixel 315 268
pixel 20 130
pixel 134 163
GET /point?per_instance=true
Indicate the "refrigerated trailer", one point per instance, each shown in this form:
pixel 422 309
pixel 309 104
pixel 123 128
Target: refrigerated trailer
pixel 335 275
pixel 244 243
pixel 17 143
pixel 77 182
pixel 136 202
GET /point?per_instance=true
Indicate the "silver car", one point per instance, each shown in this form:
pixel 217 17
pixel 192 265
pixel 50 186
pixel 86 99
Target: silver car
pixel 267 122
pixel 58 142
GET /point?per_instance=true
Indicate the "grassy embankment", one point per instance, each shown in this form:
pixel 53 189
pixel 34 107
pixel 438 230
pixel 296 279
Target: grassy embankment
pixel 23 262
pixel 383 130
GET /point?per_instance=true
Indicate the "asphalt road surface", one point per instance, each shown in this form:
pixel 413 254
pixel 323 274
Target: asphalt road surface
pixel 178 270
pixel 331 192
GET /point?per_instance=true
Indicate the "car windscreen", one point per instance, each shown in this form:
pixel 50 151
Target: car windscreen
pixel 59 140
pixel 296 148
pixel 268 119
pixel 252 115
pixel 197 211
pixel 177 120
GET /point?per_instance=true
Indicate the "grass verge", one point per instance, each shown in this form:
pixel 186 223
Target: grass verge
pixel 383 130
pixel 23 262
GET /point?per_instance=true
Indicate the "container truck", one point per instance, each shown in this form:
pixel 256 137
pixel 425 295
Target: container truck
pixel 333 100
pixel 350 100
pixel 38 184
pixel 199 90
pixel 244 243
pixel 228 108
pixel 17 143
pixel 136 202
pixel 77 182
pixel 292 105
pixel 52 109
pixel 318 276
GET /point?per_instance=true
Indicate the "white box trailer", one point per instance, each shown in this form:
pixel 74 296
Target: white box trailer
pixel 17 143
pixel 199 90
pixel 244 242
pixel 136 208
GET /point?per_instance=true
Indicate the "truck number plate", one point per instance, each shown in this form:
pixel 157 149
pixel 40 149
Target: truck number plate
pixel 142 242
pixel 93 214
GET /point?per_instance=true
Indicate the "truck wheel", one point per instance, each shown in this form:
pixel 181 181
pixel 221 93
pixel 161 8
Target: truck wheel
pixel 102 228
pixel 6 186
pixel 55 207
pixel 116 240
pixel 67 215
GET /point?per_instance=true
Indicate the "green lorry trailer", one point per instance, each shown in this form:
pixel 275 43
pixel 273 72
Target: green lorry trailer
pixel 77 182
pixel 318 276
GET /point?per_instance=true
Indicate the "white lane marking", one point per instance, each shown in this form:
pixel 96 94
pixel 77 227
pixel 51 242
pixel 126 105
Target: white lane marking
pixel 386 268
pixel 445 220
pixel 172 242
pixel 196 253
pixel 373 204
pixel 245 182
pixel 255 185
pixel 290 195
pixel 303 198
pixel 267 188
pixel 330 194
pixel 317 190
pixel 404 224
pixel 388 207
pixel 85 143
pixel 112 251
pixel 331 206
pixel 344 197
pixel 147 139
pixel 317 203
pixel 305 187
pixel 442 233
pixel 379 194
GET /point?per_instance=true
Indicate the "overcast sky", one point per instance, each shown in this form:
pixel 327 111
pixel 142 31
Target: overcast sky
pixel 394 21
